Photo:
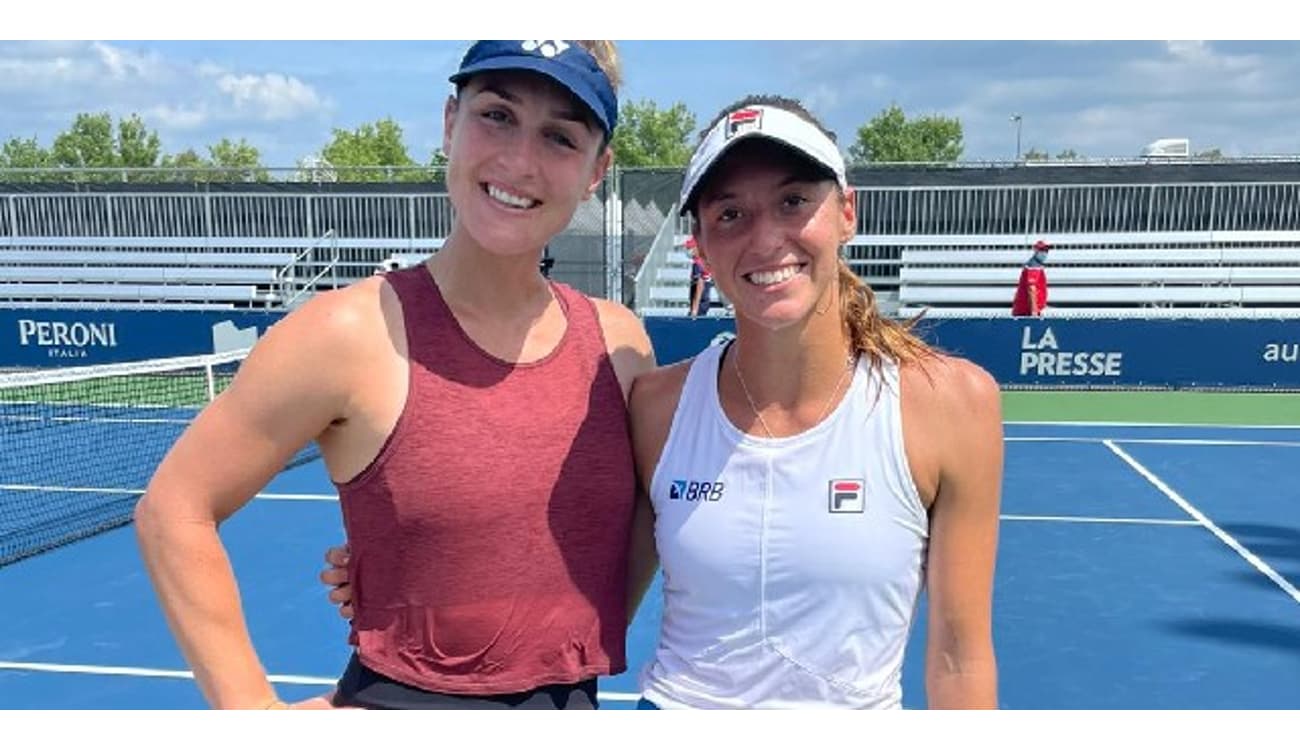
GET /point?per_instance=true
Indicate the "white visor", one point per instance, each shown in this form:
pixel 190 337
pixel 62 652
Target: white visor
pixel 762 121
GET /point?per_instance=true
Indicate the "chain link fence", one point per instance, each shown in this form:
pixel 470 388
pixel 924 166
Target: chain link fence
pixel 647 197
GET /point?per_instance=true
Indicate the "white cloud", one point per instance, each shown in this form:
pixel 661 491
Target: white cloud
pixel 39 67
pixel 189 99
pixel 270 96
pixel 177 117
pixel 1109 101
pixel 1188 50
pixel 121 64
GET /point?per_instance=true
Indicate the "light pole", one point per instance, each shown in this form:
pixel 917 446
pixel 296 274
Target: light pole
pixel 1016 118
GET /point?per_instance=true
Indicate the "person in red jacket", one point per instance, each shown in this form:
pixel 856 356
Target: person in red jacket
pixel 1031 291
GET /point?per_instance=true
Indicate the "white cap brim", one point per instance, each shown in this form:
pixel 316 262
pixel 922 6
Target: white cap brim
pixel 760 121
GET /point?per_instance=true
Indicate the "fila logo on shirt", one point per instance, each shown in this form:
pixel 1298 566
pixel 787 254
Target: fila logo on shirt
pixel 691 491
pixel 848 496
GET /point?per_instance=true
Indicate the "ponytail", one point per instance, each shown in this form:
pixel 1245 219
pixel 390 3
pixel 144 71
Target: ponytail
pixel 870 333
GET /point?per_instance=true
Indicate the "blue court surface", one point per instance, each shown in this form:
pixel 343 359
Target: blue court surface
pixel 1140 567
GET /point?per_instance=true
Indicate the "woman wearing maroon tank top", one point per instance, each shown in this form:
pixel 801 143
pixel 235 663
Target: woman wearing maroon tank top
pixel 487 564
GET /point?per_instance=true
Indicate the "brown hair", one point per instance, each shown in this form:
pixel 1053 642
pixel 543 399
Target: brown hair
pixel 794 106
pixel 870 333
pixel 606 55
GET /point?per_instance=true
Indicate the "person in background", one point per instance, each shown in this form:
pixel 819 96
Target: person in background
pixel 701 281
pixel 1031 289
pixel 547 262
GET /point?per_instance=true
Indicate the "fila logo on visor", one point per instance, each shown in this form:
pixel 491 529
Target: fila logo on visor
pixel 848 496
pixel 744 120
pixel 545 47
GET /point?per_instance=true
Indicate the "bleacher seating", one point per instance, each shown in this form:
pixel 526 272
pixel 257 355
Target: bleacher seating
pixel 1105 275
pixel 669 295
pixel 205 271
pixel 670 292
pixel 223 271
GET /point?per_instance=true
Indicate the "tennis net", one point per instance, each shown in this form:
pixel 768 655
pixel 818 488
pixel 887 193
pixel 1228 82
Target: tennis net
pixel 78 445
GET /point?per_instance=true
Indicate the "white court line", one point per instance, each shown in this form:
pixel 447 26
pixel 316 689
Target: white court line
pixel 1099 519
pixel 293 496
pixel 178 674
pixel 120 420
pixel 1154 441
pixel 74 490
pixel 124 491
pixel 96 420
pixel 1194 441
pixel 1223 536
pixel 1159 424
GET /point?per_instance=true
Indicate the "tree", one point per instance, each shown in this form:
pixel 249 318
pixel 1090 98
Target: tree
pixel 238 161
pixel 1034 154
pixel 186 159
pixel 137 146
pixel 649 137
pixel 229 162
pixel 891 137
pixel 377 144
pixel 88 143
pixel 91 142
pixel 24 153
pixel 1209 154
pixel 187 166
pixel 1069 154
pixel 437 169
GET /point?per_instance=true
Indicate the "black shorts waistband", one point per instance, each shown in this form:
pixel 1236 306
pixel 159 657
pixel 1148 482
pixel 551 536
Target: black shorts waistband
pixel 363 687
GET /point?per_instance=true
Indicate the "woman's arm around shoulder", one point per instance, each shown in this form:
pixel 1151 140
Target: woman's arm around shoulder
pixel 652 404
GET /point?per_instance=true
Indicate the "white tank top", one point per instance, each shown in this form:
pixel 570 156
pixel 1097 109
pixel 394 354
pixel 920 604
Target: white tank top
pixel 792 566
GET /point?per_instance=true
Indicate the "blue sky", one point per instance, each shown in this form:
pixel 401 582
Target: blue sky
pixel 1099 98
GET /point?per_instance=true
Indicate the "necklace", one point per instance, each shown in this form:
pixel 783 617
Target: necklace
pixel 848 365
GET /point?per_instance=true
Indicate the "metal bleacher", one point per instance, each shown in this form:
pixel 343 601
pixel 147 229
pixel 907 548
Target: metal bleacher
pixel 246 272
pixel 1170 274
pixel 256 250
pixel 1147 240
pixel 1208 240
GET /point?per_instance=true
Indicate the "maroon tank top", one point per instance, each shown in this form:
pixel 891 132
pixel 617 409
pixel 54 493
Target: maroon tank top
pixel 489 535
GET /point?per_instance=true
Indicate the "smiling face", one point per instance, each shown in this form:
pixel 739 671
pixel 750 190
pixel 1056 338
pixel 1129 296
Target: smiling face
pixel 522 153
pixel 769 225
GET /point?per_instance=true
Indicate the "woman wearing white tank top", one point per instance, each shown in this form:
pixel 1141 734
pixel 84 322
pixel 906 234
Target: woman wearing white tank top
pixel 809 480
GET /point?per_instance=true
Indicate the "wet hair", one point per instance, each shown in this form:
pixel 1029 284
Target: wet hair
pixel 870 334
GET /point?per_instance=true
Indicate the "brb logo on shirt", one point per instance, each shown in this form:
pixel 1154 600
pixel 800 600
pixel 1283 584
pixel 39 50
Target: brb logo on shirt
pixel 691 491
pixel 848 496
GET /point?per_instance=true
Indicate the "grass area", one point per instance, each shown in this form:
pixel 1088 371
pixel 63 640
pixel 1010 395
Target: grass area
pixel 1173 407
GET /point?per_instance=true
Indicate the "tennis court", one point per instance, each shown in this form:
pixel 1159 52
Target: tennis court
pixel 1149 555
